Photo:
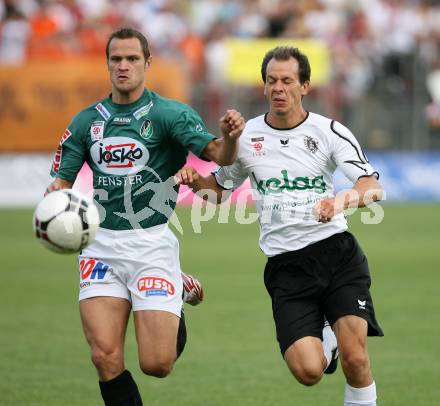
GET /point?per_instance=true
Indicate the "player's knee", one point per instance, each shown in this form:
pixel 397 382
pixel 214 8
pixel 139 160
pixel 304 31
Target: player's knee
pixel 308 375
pixel 158 368
pixel 107 360
pixel 355 361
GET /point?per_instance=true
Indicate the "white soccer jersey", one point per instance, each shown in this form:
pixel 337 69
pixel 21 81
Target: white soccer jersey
pixel 290 170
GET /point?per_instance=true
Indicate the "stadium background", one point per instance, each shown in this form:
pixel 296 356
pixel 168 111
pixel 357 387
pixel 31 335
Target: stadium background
pixel 375 67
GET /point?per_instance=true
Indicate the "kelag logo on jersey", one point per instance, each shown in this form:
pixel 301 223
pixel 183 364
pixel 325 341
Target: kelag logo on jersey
pixel 91 268
pixel 155 286
pixel 119 155
pixel 277 185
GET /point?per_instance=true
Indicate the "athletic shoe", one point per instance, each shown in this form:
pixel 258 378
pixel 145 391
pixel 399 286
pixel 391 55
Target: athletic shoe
pixel 329 335
pixel 192 290
pixel 333 363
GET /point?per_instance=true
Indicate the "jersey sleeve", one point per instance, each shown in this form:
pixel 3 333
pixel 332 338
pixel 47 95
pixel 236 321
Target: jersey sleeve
pixel 71 153
pixel 190 131
pixel 348 155
pixel 230 177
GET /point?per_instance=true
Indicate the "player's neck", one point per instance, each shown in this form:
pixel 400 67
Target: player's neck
pixel 128 97
pixel 286 120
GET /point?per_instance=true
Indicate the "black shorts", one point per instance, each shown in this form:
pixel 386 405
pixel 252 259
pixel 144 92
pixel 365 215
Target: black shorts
pixel 329 278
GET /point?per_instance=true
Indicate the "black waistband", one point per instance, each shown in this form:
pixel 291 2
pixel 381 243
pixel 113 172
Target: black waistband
pixel 306 249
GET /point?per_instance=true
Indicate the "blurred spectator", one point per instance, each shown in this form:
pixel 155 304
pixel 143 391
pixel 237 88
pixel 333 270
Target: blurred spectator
pixel 14 35
pixel 373 43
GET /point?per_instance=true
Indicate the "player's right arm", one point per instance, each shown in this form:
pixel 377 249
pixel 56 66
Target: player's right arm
pixel 190 177
pixel 58 184
pixel 70 155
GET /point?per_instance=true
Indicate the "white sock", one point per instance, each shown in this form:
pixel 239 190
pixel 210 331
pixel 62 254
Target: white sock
pixel 360 396
pixel 329 343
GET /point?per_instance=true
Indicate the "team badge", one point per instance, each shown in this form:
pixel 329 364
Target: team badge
pixel 146 130
pixel 97 130
pixel 311 144
pixel 284 143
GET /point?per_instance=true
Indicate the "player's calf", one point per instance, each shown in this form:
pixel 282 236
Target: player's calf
pixel 306 360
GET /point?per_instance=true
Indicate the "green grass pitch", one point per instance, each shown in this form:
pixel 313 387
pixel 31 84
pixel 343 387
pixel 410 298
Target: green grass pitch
pixel 231 357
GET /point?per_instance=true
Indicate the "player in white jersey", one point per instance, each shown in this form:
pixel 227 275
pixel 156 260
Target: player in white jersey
pixel 315 270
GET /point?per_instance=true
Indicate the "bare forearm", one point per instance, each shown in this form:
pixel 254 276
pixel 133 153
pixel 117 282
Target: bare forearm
pixel 204 186
pixel 223 151
pixel 362 194
pixel 58 184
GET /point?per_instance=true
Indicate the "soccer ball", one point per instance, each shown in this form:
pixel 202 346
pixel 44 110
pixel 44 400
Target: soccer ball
pixel 66 221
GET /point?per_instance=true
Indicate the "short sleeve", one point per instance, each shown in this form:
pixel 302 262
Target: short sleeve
pixel 70 155
pixel 190 131
pixel 230 177
pixel 348 155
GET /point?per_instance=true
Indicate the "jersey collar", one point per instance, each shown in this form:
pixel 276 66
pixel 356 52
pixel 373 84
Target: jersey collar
pixel 285 129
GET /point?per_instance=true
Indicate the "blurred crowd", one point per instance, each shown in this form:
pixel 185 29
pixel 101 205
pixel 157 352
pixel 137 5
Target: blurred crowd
pixel 389 43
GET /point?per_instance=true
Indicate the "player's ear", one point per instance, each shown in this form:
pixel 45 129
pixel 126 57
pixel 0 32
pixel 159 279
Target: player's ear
pixel 305 87
pixel 148 62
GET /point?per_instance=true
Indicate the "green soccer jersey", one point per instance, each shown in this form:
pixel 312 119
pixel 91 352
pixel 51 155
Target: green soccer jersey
pixel 134 150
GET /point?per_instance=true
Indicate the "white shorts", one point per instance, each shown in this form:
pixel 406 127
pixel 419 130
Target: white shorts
pixel 141 266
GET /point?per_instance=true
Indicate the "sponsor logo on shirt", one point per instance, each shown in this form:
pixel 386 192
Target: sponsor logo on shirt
pixel 91 268
pixel 146 130
pixel 155 286
pixel 143 111
pixel 103 111
pixel 58 154
pixel 97 130
pixel 277 185
pixel 259 149
pixel 257 139
pixel 119 155
pixel 258 146
pixel 122 120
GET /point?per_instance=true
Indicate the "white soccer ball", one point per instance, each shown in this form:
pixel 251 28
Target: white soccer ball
pixel 66 221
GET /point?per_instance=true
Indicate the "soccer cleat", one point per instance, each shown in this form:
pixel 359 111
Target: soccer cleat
pixel 333 363
pixel 192 290
pixel 329 336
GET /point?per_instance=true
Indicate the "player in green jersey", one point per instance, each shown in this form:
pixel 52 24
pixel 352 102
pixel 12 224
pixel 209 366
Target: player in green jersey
pixel 135 141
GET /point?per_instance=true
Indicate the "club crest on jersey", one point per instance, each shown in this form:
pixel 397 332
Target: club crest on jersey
pixel 311 144
pixel 284 143
pixel 97 130
pixel 146 130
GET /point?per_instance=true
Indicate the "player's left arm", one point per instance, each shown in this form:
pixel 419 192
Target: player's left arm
pixel 347 154
pixel 224 150
pixel 365 191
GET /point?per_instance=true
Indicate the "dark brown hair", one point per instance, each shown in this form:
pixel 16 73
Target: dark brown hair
pixel 125 33
pixel 284 53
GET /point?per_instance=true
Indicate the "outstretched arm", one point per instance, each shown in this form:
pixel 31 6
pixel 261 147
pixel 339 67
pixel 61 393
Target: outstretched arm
pixel 190 177
pixel 224 150
pixel 366 190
